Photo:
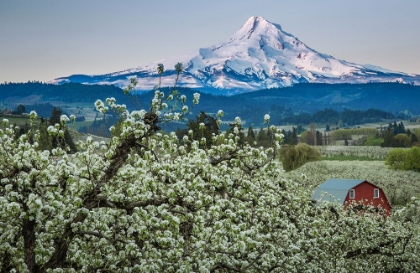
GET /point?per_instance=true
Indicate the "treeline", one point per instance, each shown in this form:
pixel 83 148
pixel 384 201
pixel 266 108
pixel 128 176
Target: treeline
pixel 205 126
pixel 347 117
pixel 42 109
pixel 397 136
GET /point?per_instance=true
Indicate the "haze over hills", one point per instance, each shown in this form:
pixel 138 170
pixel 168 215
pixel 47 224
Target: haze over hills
pixel 279 103
pixel 259 55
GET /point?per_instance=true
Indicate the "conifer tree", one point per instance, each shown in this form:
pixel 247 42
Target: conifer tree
pixel 251 136
pixel 294 137
pixel 55 116
pixel 44 140
pixel 21 109
pixel 69 141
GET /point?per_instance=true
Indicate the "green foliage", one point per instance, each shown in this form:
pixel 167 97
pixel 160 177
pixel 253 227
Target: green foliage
pixel 55 116
pixel 397 136
pixel 44 139
pixel 20 109
pixel 290 137
pixel 413 158
pixel 404 159
pixel 263 138
pixel 69 141
pixel 292 157
pixel 251 137
pixel 373 141
pixel 401 140
pixel 416 131
pixel 204 126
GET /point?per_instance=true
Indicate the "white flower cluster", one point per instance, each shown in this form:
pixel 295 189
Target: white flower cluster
pixel 33 115
pixel 266 119
pixel 5 122
pixel 196 98
pixel 64 119
pixel 120 109
pixel 100 107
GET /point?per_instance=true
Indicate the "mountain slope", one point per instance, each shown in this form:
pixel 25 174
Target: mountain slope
pixel 259 55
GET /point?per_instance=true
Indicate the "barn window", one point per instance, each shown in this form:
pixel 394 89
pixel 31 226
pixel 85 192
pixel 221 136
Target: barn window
pixel 376 193
pixel 352 194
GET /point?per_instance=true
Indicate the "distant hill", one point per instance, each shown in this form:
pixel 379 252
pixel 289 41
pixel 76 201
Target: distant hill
pixel 280 103
pixel 36 92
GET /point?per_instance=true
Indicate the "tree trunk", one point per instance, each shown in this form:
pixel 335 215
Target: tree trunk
pixel 29 243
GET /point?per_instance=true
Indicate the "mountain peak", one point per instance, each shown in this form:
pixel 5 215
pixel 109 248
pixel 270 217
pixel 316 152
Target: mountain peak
pixel 256 19
pixel 255 25
pixel 259 55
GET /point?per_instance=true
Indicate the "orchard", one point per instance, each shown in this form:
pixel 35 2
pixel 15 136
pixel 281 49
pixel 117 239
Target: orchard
pixel 144 202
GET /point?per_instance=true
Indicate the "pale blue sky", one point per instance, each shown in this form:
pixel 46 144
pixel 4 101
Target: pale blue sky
pixel 45 39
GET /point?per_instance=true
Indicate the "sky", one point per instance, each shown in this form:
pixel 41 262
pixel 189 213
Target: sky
pixel 45 39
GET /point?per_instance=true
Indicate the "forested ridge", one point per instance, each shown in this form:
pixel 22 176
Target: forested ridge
pixel 300 104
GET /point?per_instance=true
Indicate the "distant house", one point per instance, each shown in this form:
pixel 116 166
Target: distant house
pixel 344 191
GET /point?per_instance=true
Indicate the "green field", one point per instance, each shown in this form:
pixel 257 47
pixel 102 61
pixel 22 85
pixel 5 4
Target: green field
pixel 373 141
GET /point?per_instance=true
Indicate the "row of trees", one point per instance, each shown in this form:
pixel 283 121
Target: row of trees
pixel 397 136
pixel 205 126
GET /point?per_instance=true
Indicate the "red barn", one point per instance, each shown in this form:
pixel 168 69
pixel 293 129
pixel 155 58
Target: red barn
pixel 346 191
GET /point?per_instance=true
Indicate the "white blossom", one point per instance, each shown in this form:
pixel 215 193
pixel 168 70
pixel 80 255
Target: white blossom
pixel 266 118
pixel 64 119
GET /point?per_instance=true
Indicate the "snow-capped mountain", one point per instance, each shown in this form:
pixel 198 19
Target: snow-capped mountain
pixel 259 55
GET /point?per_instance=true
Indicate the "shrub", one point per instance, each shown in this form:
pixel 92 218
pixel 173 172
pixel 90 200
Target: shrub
pixel 397 159
pixel 293 157
pixel 413 158
pixel 404 159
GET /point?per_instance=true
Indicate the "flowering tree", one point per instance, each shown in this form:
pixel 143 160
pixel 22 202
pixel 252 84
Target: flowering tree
pixel 146 203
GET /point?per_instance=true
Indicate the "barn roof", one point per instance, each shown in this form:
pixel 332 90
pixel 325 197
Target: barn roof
pixel 335 190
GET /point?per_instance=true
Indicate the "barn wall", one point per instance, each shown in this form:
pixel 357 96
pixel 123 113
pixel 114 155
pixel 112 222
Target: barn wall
pixel 364 194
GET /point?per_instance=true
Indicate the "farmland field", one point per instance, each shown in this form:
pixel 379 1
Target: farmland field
pixel 374 152
pixel 399 186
